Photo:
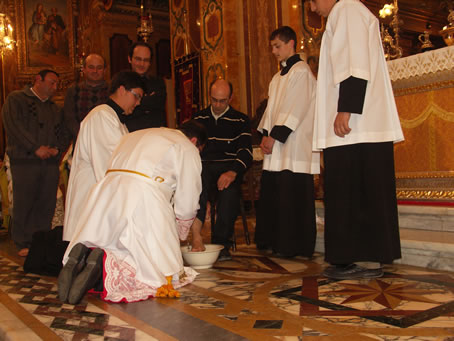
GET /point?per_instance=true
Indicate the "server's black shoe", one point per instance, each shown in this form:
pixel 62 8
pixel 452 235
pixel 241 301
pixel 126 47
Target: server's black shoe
pixel 74 265
pixel 334 268
pixel 283 255
pixel 262 247
pixel 88 277
pixel 224 255
pixel 352 271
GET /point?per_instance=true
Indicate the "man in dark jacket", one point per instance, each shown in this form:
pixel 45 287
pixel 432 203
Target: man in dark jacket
pixel 225 159
pixel 151 113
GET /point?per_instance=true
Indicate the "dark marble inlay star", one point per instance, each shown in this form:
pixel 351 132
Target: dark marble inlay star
pixel 389 295
pixel 268 324
pixel 310 302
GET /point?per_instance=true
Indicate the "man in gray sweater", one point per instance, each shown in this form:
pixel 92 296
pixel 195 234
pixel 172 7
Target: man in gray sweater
pixel 37 138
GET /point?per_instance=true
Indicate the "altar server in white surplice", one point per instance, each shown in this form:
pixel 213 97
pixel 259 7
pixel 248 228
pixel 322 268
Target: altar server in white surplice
pixel 136 216
pixel 286 212
pixel 356 123
pixel 98 136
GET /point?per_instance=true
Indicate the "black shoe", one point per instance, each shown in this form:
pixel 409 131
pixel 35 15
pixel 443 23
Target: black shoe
pixel 280 255
pixel 352 271
pixel 88 277
pixel 334 268
pixel 224 255
pixel 74 265
pixel 262 247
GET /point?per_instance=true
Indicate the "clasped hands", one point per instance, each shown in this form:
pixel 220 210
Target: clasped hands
pixel 45 152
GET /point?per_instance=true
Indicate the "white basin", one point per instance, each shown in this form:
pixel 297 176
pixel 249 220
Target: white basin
pixel 203 259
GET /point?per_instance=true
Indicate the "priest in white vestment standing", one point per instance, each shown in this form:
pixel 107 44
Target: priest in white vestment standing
pixel 356 124
pixel 98 136
pixel 286 212
pixel 136 216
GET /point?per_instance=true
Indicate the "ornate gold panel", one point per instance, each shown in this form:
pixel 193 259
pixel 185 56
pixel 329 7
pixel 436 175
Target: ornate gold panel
pixel 425 161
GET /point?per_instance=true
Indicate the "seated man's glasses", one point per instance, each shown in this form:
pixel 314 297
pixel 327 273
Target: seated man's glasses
pixel 219 101
pixel 136 95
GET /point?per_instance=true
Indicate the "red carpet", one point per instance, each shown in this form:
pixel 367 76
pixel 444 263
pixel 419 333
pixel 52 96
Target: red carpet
pixel 447 203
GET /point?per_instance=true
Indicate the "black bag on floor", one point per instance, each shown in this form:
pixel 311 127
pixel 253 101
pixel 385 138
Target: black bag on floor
pixel 46 252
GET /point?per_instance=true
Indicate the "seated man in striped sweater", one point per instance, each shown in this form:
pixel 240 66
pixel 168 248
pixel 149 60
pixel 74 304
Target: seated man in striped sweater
pixel 225 159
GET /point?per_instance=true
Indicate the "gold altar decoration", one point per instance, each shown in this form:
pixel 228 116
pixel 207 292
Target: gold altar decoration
pixel 448 35
pixel 424 39
pixel 390 43
pixel 6 44
pixel 145 28
pixel 424 88
pixel 6 34
pixel 448 31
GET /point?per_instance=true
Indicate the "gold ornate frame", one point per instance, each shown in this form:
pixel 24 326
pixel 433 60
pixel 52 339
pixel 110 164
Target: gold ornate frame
pixel 25 70
pixel 425 186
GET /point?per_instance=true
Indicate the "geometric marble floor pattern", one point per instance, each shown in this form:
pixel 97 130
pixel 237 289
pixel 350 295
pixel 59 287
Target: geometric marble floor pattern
pixel 253 297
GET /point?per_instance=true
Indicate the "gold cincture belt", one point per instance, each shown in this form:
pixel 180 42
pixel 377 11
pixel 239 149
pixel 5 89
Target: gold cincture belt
pixel 156 178
pixel 127 171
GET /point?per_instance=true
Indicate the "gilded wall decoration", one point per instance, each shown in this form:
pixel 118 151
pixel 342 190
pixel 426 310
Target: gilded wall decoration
pixel 177 6
pixel 213 57
pixel 313 27
pixel 262 18
pixel 313 24
pixel 213 25
pixel 88 26
pixel 178 12
pixel 179 42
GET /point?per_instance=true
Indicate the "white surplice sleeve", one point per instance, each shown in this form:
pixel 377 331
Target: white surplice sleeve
pixel 349 52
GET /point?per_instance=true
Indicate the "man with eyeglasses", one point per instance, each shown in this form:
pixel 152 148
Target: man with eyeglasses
pixel 225 159
pixel 84 96
pixel 99 134
pixel 151 113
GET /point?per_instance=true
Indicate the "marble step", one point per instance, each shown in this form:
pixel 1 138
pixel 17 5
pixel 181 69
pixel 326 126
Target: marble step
pixel 431 218
pixel 427 236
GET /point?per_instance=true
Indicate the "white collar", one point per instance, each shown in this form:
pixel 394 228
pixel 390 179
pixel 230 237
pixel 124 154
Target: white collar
pixel 34 92
pixel 217 116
